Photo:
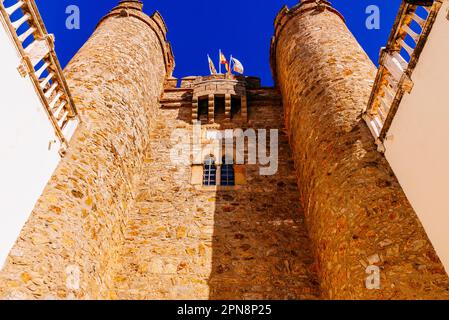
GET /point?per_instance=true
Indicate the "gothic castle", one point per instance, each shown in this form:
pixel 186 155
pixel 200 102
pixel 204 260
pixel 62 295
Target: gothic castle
pixel 124 217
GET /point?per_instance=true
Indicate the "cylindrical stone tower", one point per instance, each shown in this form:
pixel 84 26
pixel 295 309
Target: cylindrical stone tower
pixel 359 219
pixel 69 245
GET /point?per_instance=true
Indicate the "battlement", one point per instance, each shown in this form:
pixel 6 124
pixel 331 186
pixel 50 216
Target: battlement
pixel 133 8
pixel 246 81
pixel 131 4
pixel 225 89
pixel 286 14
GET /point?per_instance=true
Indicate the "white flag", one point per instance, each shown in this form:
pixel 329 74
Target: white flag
pixel 212 69
pixel 238 66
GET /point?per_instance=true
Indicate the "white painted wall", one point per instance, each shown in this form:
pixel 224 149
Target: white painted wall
pixel 417 145
pixel 26 163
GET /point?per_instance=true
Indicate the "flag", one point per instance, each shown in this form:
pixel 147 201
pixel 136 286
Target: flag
pixel 227 67
pixel 212 69
pixel 224 61
pixel 238 66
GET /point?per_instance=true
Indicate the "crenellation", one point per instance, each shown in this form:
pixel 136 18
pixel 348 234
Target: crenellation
pixel 155 22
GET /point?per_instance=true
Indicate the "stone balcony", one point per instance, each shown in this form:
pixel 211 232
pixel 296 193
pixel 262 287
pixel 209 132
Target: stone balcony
pixel 216 100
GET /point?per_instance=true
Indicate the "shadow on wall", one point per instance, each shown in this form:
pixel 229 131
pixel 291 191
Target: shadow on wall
pixel 260 247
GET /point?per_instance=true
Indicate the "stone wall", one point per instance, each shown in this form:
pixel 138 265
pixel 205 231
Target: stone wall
pixel 185 241
pixel 356 211
pixel 119 220
pixel 70 243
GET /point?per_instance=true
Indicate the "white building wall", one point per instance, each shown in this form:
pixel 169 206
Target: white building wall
pixel 417 145
pixel 26 161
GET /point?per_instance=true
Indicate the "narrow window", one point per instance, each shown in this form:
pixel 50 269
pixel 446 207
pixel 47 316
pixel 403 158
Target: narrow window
pixel 220 108
pixel 203 109
pixel 210 172
pixel 236 107
pixel 227 172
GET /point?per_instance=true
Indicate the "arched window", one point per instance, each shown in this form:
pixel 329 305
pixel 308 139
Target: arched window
pixel 210 172
pixel 227 172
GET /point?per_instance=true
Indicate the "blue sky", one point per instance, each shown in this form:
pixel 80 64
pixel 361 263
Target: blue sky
pixel 198 27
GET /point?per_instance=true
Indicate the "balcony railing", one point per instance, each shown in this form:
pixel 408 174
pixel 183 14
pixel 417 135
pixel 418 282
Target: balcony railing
pixel 397 63
pixel 39 61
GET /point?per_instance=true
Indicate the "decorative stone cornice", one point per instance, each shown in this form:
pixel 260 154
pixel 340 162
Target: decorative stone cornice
pixel 133 8
pixel 286 14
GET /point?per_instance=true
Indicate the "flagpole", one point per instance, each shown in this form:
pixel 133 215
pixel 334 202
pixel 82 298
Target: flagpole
pixel 219 59
pixel 230 65
pixel 208 61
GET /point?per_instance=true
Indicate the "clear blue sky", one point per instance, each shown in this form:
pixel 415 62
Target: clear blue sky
pixel 198 27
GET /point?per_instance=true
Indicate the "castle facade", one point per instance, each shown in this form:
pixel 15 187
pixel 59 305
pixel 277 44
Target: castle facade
pixel 128 215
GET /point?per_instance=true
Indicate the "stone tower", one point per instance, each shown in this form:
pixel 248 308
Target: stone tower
pixel 357 213
pixel 116 80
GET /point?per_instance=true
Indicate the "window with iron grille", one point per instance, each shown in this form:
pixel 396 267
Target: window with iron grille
pixel 227 172
pixel 210 172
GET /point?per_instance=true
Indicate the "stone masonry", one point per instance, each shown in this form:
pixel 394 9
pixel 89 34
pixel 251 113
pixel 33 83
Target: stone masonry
pixel 120 220
pixel 188 242
pixel 356 211
pixel 78 224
